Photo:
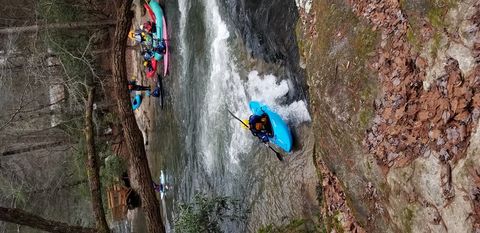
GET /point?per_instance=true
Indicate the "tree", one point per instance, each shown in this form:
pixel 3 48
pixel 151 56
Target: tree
pixel 34 60
pixel 93 169
pixel 68 25
pixel 137 157
pixel 204 214
pixel 24 218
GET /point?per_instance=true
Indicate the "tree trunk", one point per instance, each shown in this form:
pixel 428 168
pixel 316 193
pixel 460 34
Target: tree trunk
pixel 93 167
pixel 133 137
pixel 21 217
pixel 33 148
pixel 72 25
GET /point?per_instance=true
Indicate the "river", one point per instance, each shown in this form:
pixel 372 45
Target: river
pixel 201 148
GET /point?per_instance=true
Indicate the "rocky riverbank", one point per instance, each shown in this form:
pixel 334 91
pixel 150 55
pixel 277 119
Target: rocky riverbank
pixel 394 96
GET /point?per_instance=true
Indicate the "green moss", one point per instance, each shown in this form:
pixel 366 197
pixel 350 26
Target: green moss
pixel 365 42
pixel 437 37
pixel 333 223
pixel 338 224
pixel 407 219
pixel 300 39
pixel 435 17
pixel 369 166
pixel 295 226
pixel 267 229
pixel 365 116
pixel 384 187
pixel 437 11
pixel 412 38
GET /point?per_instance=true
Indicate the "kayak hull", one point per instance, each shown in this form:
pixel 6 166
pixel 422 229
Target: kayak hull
pixel 155 8
pixel 136 101
pixel 152 72
pixel 166 55
pixel 150 12
pixel 282 137
pixel 158 12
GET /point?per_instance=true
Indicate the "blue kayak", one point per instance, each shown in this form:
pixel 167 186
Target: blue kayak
pixel 157 10
pixel 282 137
pixel 136 101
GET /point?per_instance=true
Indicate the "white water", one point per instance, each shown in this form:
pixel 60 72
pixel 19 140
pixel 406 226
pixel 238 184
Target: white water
pixel 268 90
pixel 183 8
pixel 224 88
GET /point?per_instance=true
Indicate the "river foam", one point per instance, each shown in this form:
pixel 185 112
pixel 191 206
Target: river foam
pixel 268 90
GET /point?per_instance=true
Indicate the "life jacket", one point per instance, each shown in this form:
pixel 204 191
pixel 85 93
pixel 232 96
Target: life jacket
pixel 258 123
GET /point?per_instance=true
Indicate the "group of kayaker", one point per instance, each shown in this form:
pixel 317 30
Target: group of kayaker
pixel 152 38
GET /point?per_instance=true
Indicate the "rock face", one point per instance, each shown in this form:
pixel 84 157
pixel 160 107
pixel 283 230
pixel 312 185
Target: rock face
pixel 394 90
pixel 267 29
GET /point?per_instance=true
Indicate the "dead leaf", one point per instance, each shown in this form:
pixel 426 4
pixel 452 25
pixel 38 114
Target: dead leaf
pixel 454 105
pixel 435 133
pixel 476 99
pixel 463 116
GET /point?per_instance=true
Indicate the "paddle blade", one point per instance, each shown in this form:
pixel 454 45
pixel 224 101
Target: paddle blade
pixel 279 156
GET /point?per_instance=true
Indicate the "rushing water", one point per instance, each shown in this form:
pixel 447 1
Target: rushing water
pixel 203 149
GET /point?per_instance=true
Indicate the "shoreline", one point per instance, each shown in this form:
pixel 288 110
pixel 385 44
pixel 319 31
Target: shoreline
pixel 144 115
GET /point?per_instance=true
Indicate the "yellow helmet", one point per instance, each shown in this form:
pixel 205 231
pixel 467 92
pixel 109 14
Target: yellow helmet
pixel 245 123
pixel 131 35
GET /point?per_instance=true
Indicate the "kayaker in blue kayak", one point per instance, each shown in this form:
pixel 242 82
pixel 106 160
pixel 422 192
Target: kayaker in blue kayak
pixel 260 127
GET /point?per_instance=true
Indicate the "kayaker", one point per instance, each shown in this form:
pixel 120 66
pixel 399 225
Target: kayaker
pixel 147 55
pixel 148 27
pixel 132 86
pixel 158 187
pixel 140 36
pixel 260 127
pixel 161 188
pixel 160 46
pixel 156 92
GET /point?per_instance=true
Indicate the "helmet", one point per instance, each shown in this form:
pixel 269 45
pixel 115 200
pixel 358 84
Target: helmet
pixel 131 35
pixel 147 56
pixel 245 123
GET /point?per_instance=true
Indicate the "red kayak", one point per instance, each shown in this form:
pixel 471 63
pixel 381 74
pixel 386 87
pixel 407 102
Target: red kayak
pixel 150 12
pixel 151 72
